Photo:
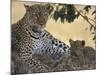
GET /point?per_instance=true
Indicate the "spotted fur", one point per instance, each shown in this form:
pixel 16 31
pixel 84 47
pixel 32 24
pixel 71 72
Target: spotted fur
pixel 51 46
pixel 29 37
pixel 82 56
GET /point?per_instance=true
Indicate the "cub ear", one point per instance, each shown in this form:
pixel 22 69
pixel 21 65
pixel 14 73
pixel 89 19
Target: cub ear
pixel 83 43
pixel 70 40
pixel 26 6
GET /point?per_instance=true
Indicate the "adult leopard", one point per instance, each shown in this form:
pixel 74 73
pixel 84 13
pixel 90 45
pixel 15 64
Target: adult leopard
pixel 29 38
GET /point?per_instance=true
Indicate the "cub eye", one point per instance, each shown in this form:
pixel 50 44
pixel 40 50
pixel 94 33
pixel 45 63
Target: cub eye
pixel 33 13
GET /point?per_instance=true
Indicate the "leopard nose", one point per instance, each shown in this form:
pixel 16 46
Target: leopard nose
pixel 43 25
pixel 40 22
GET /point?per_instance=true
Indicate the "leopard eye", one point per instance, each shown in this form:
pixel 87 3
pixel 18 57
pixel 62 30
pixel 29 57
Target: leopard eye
pixel 46 13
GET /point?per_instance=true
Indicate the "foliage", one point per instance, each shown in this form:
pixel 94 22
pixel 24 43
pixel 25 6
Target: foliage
pixel 68 13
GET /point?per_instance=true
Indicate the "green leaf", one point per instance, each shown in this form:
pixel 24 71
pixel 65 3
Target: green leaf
pixel 86 8
pixel 56 15
pixel 94 12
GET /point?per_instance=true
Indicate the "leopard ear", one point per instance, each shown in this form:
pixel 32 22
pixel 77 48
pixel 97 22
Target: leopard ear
pixel 49 7
pixel 26 6
pixel 83 43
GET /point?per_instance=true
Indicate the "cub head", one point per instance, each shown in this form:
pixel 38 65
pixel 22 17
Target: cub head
pixel 77 47
pixel 77 43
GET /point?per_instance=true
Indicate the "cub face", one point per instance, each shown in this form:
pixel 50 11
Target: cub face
pixel 77 47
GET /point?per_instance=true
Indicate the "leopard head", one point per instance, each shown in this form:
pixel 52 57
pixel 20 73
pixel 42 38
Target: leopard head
pixel 37 14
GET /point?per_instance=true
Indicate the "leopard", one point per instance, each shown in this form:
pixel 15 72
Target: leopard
pixel 30 38
pixel 22 43
pixel 82 57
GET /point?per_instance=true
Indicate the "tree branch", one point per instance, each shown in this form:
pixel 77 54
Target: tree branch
pixel 86 18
